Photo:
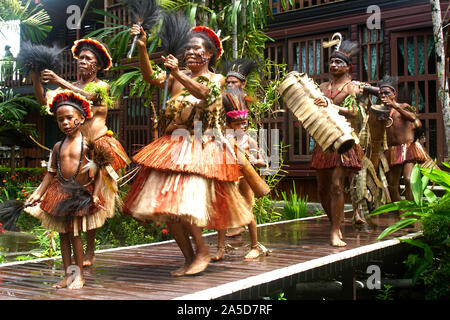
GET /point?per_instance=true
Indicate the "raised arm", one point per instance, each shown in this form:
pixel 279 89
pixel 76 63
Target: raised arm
pixel 144 60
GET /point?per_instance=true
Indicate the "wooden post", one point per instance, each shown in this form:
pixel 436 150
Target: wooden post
pixel 440 66
pixel 12 160
pixel 349 284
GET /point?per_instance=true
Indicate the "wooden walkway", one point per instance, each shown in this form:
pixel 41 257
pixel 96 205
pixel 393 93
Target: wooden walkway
pixel 300 252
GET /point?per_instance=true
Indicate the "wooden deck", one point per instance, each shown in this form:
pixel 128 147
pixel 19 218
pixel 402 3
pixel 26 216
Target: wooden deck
pixel 300 252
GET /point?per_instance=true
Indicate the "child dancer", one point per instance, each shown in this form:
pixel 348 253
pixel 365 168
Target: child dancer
pixel 92 56
pixel 69 198
pixel 237 121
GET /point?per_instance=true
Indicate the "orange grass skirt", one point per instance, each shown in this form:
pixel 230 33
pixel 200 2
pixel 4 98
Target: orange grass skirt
pixel 179 181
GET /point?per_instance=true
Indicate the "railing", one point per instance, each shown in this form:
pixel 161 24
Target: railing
pixel 278 7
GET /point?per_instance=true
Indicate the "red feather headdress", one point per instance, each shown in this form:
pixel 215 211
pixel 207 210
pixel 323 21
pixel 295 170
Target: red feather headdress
pixel 95 46
pixel 67 97
pixel 212 35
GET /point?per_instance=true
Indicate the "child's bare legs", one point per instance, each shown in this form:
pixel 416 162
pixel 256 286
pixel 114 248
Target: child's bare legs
pixel 64 241
pixel 254 251
pixel 77 245
pixel 89 256
pixel 202 256
pixel 220 245
pixel 184 243
pixel 78 280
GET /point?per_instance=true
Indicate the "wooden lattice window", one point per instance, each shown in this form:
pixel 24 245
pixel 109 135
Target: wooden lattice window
pixel 371 58
pixel 306 55
pixel 414 62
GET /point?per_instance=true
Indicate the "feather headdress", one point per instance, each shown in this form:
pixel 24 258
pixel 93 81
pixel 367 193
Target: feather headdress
pixel 346 50
pixel 68 97
pixel 99 49
pixel 145 13
pixel 239 68
pixel 212 36
pixel 233 101
pixel 388 81
pixel 38 57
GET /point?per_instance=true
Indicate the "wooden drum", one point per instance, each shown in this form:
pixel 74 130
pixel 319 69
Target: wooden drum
pixel 329 129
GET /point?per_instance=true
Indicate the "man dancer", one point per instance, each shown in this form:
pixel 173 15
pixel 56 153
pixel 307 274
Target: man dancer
pixel 332 168
pixel 402 151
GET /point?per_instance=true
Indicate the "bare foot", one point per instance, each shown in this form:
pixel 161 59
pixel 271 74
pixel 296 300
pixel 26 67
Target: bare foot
pixel 233 232
pixel 336 240
pixel 220 254
pixel 77 283
pixel 358 220
pixel 88 259
pixel 199 264
pixel 180 271
pixel 62 283
pixel 252 254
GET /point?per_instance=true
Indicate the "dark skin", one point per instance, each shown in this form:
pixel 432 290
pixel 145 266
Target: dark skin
pixel 95 127
pixel 197 58
pixel 240 127
pixel 400 132
pixel 331 181
pixel 69 122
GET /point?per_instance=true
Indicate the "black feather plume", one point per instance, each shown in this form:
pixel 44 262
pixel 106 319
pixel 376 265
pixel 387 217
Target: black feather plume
pixel 145 13
pixel 38 57
pixel 174 35
pixel 10 211
pixel 77 204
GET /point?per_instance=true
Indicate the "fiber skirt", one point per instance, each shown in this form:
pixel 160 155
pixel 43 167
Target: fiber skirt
pixel 45 211
pixel 400 154
pixel 119 158
pixel 351 159
pixel 179 181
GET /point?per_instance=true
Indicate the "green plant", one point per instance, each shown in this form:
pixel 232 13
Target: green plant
pixel 434 215
pixel 385 293
pixel 34 22
pixel 295 207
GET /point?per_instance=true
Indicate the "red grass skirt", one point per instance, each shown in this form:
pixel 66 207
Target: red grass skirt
pixel 185 155
pixel 178 181
pixel 351 159
pixel 400 154
pixel 46 212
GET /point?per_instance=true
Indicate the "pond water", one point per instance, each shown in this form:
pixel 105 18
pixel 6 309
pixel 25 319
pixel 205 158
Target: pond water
pixel 17 243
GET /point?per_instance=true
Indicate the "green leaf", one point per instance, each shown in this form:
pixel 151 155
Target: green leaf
pixel 397 226
pixel 416 185
pixel 431 197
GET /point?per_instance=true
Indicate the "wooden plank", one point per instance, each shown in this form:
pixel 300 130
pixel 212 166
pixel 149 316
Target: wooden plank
pixel 143 271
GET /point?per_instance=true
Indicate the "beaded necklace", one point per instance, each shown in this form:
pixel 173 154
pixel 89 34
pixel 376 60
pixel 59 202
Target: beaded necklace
pixel 58 161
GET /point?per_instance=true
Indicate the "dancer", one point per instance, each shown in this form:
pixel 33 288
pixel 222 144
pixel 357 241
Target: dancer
pixel 236 73
pixel 332 168
pixel 237 125
pixel 403 152
pixel 92 56
pixel 69 198
pixel 188 177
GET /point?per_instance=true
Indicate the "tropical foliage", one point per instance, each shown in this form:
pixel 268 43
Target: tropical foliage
pixel 433 266
pixel 34 20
